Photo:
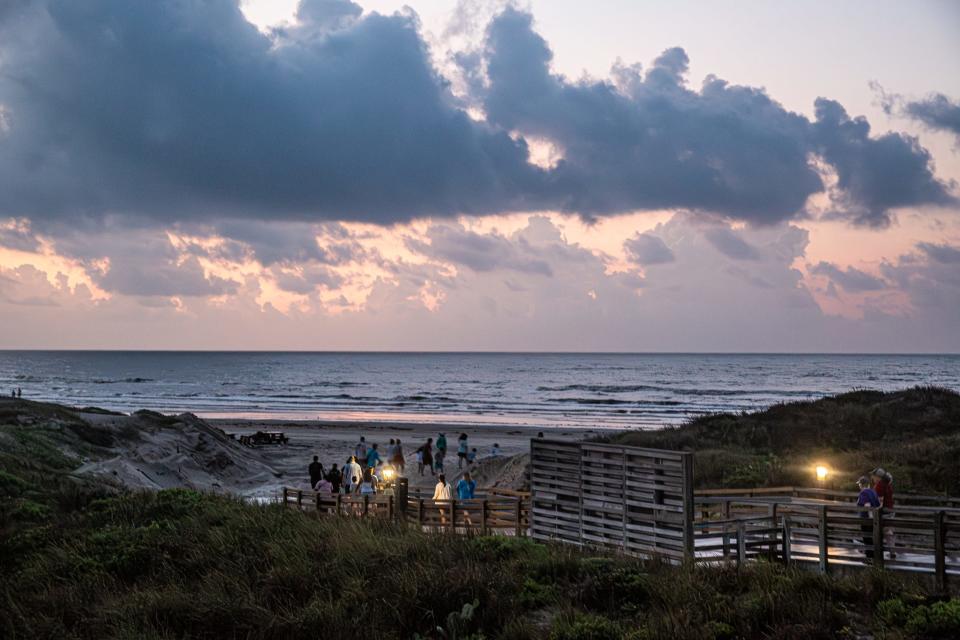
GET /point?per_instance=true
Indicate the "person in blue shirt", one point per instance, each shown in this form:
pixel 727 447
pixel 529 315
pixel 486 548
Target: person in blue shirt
pixel 867 498
pixel 466 486
pixel 373 457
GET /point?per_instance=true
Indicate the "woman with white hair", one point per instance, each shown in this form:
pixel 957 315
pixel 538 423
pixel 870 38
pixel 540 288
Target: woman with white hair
pixel 883 485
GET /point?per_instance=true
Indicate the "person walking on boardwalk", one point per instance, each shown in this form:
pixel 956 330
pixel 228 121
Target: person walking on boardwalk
pixel 461 450
pixel 883 485
pixel 316 471
pixel 368 486
pixel 466 487
pixel 442 491
pixel 867 498
pixel 351 474
pixel 335 478
pixel 428 456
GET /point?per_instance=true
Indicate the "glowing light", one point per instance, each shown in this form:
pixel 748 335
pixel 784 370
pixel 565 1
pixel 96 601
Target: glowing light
pixel 822 472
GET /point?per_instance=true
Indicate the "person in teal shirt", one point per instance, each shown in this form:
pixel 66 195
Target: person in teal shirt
pixel 466 486
pixel 373 457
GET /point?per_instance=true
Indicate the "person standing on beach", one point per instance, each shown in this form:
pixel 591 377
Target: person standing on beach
pixel 441 450
pixel 19 392
pixel 428 456
pixel 398 462
pixel 883 485
pixel 373 457
pixel 316 471
pixel 461 450
pixel 360 451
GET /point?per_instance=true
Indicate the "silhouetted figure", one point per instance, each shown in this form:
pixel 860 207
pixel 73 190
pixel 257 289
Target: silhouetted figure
pixel 335 478
pixel 316 471
pixel 19 392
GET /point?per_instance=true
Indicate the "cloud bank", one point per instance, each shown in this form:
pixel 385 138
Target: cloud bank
pixel 169 112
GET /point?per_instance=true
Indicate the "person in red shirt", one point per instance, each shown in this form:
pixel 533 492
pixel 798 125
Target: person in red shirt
pixel 883 485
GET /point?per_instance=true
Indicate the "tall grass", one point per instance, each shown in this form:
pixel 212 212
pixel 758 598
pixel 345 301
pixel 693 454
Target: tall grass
pixel 180 564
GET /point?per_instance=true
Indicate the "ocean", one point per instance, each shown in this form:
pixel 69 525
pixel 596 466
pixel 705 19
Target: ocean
pixel 541 389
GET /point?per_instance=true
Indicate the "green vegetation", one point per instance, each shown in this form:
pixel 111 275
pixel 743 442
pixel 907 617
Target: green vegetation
pixel 181 564
pixel 80 560
pixel 913 434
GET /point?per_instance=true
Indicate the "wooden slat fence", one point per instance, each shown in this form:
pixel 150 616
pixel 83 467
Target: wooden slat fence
pixel 492 513
pixel 628 499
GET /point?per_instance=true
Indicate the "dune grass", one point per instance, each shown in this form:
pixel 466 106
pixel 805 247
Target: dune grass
pixel 914 434
pixel 79 559
pixel 177 563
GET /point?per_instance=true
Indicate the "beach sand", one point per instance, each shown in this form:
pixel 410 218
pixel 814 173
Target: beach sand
pixel 147 450
pixel 334 441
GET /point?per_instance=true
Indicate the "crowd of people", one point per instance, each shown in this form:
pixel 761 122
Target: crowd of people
pixel 876 492
pixel 370 472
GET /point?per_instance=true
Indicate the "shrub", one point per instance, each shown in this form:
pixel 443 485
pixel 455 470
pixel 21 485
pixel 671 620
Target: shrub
pixel 586 627
pixel 938 620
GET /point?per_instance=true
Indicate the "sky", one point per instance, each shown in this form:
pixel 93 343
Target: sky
pixel 526 176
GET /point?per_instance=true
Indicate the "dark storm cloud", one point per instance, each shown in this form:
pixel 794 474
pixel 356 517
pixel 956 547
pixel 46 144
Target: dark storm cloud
pixel 727 242
pixel 185 110
pixel 162 279
pixel 647 141
pixel 647 249
pixel 182 112
pixel 937 111
pixel 850 279
pixel 942 253
pixel 480 252
pixel 875 174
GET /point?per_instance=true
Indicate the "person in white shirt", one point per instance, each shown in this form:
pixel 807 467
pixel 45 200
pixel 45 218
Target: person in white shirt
pixel 442 491
pixel 360 451
pixel 351 470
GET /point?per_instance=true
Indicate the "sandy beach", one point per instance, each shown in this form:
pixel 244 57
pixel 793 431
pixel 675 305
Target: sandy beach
pixel 334 441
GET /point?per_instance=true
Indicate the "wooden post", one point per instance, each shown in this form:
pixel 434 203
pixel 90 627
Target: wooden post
pixel 824 547
pixel 366 505
pixel 318 502
pixel 772 513
pixel 403 489
pixel 786 540
pixel 420 513
pixel 390 507
pixel 726 532
pixel 453 515
pixel 689 550
pixel 300 499
pixel 878 537
pixel 939 551
pixel 339 507
pixel 741 545
pixel 483 518
pixel 518 515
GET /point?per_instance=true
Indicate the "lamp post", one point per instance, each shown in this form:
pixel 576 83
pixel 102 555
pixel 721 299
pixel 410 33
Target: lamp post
pixel 822 471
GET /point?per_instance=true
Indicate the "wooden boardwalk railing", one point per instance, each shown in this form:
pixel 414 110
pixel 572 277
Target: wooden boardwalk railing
pixel 495 512
pixel 793 527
